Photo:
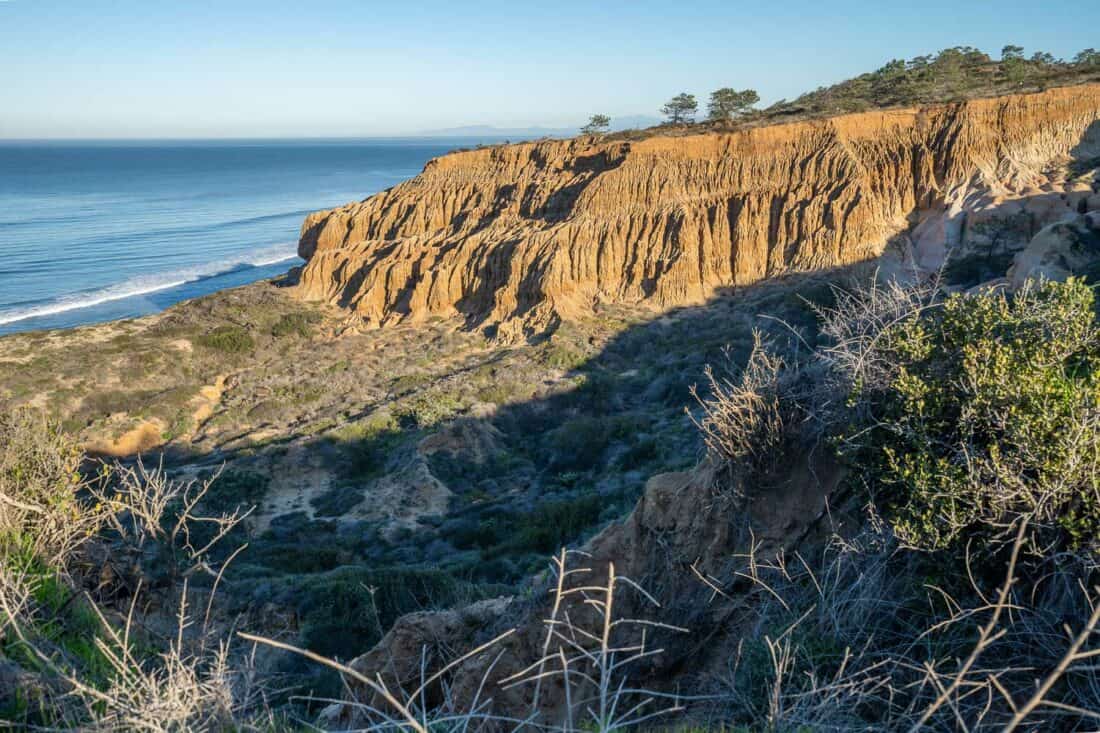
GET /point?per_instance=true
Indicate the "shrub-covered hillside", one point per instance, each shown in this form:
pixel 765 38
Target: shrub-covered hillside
pixel 952 75
pixel 968 426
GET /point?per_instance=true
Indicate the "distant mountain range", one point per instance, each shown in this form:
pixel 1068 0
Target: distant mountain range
pixel 626 122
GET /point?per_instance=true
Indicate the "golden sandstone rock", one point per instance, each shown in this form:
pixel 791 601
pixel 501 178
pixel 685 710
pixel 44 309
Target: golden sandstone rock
pixel 523 235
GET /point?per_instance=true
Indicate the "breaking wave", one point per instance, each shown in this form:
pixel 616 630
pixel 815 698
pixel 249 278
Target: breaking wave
pixel 147 284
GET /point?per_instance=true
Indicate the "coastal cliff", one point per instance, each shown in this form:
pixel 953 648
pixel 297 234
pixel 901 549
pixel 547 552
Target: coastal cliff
pixel 527 234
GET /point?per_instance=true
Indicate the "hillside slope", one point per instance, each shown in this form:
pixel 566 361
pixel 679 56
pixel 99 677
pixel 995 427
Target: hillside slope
pixel 524 235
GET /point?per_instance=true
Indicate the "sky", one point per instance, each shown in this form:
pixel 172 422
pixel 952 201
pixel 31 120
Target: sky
pixel 353 68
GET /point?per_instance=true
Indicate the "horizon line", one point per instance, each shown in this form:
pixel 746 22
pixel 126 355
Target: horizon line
pixel 170 138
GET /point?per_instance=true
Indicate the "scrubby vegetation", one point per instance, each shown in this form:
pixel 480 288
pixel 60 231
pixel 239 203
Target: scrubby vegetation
pixel 967 600
pixel 952 75
pixel 964 597
pixel 79 556
pixel 230 339
pixel 989 418
pixel 316 483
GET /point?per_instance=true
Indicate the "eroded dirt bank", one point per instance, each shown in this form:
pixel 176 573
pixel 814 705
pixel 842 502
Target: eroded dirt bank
pixel 524 235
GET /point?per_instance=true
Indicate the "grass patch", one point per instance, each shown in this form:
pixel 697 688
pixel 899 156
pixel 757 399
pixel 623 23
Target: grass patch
pixel 295 324
pixel 228 340
pixel 61 618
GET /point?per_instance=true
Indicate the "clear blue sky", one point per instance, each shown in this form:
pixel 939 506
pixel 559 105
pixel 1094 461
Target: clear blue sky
pixel 241 68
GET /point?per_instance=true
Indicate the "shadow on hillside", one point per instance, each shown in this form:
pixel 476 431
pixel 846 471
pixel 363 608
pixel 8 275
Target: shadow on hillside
pixel 544 468
pixel 530 477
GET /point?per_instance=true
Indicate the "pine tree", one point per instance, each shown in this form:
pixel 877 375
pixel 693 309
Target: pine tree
pixel 681 109
pixel 727 103
pixel 597 125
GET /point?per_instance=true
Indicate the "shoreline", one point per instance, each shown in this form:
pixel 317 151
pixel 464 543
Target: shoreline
pixel 156 299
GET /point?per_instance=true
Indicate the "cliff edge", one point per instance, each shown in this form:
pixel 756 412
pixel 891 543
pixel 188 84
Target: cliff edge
pixel 526 234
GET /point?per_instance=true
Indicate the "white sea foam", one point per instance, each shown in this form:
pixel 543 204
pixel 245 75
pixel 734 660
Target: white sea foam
pixel 147 284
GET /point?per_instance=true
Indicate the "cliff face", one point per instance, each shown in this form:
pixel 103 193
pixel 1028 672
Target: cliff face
pixel 525 234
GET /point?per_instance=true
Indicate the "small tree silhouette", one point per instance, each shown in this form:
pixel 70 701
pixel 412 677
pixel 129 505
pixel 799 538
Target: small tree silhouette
pixel 681 109
pixel 727 103
pixel 597 125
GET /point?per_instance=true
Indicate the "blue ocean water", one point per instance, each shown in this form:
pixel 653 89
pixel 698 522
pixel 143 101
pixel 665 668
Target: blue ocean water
pixel 94 231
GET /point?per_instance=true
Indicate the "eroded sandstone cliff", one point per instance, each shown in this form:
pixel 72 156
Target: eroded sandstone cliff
pixel 525 234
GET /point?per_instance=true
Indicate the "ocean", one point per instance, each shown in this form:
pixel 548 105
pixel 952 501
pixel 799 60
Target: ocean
pixel 95 231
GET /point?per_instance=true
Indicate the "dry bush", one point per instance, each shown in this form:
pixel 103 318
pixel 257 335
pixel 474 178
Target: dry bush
pixel 189 687
pixel 781 392
pixel 153 514
pixel 41 488
pixel 400 709
pixel 593 657
pixel 861 354
pixel 743 417
pixel 95 679
pixel 855 641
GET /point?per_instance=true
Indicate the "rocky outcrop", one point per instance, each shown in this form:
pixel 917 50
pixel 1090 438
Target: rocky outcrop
pixel 523 235
pixel 1060 250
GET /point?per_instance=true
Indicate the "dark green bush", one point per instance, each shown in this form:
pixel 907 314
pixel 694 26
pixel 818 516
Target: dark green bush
pixel 462 474
pixel 484 533
pixel 992 416
pixel 579 444
pixel 233 490
pixel 555 524
pixel 638 454
pixel 295 557
pixel 227 339
pixel 344 612
pixel 295 324
pixel 337 501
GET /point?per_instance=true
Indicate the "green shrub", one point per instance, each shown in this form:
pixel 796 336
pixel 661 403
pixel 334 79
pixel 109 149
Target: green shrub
pixel 555 524
pixel 61 617
pixel 233 490
pixel 40 475
pixel 344 612
pixel 992 416
pixel 579 444
pixel 107 402
pixel 227 339
pixel 407 383
pixel 562 356
pixel 428 410
pixel 373 426
pixel 367 444
pixel 295 324
pixel 337 501
pixel 502 392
